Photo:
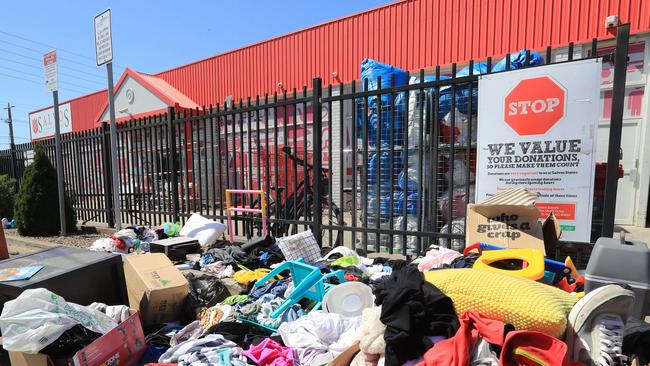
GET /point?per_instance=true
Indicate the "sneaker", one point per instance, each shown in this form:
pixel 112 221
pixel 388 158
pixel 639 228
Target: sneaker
pixel 597 324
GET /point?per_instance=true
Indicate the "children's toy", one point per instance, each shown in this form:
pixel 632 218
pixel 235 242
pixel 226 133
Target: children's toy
pixel 230 209
pixel 534 270
pixel 554 271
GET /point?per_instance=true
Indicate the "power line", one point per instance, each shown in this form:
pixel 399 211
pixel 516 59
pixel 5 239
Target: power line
pixel 62 66
pixel 41 52
pixel 50 46
pixel 41 83
pixel 61 73
pixel 39 76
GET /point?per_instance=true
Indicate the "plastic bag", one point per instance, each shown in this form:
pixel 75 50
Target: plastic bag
pixel 411 241
pixel 205 291
pixel 460 201
pixel 518 60
pixel 39 317
pixel 370 70
pixel 457 227
pixel 382 166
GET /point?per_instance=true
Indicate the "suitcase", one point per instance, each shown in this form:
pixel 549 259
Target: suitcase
pixel 625 262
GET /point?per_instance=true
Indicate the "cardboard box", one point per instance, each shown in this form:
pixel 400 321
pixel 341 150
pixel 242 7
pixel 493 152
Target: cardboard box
pixel 124 345
pixel 155 287
pixel 511 220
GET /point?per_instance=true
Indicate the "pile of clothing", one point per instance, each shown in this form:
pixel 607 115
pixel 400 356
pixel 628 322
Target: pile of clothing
pixel 135 239
pixel 287 301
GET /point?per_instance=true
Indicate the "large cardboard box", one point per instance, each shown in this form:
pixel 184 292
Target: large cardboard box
pixel 155 287
pixel 124 345
pixel 511 220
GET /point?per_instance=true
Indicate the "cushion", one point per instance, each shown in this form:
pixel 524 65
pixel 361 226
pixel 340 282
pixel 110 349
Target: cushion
pixel 526 304
pixel 302 245
pixel 202 229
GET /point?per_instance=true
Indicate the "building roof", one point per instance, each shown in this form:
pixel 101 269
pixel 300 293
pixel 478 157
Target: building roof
pixel 410 34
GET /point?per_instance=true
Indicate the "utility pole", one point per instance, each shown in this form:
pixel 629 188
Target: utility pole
pixel 11 143
pixel 9 122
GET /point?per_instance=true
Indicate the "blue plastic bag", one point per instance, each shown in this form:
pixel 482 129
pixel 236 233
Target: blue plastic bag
pixel 411 203
pixel 382 165
pixel 371 70
pixel 518 60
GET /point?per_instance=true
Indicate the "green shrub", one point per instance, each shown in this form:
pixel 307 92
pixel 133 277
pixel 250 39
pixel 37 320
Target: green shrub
pixel 7 196
pixel 37 203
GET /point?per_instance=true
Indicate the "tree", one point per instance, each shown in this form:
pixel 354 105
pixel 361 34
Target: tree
pixel 7 196
pixel 37 203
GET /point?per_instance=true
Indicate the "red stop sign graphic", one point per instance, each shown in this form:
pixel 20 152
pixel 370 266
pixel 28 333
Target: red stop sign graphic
pixel 534 106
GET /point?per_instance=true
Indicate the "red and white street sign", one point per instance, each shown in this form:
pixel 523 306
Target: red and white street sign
pixel 534 106
pixel 49 62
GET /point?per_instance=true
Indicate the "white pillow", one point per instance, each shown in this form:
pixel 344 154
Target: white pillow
pixel 202 229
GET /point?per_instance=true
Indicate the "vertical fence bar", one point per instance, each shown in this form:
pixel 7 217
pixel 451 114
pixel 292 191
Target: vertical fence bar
pixel 294 146
pixel 615 128
pixel 226 153
pixel 391 165
pixel 318 157
pixel 306 183
pixel 106 164
pixel 405 158
pixel 378 111
pixel 171 149
pixel 267 164
pixel 329 164
pixel 278 192
pixel 364 178
pixel 340 239
pixel 242 164
pixel 452 152
pixel 420 201
pixel 214 174
pixel 158 186
pixel 354 164
pixel 203 157
pixel 468 138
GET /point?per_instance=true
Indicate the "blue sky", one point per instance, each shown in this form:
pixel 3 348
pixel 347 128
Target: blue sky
pixel 148 36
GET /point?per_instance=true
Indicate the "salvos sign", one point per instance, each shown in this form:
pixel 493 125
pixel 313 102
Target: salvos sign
pixel 41 123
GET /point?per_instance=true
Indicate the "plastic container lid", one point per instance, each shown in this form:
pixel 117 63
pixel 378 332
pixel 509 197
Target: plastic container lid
pixel 348 299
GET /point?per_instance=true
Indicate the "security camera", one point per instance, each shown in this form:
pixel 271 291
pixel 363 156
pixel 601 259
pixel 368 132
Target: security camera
pixel 279 85
pixel 611 21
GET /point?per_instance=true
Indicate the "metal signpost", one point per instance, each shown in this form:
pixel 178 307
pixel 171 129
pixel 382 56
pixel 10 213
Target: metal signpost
pixel 51 84
pixel 104 55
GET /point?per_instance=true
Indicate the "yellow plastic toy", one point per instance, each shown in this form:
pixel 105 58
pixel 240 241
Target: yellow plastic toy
pixel 534 270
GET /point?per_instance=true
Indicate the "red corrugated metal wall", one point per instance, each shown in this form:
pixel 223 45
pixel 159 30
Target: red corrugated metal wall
pixel 85 110
pixel 410 34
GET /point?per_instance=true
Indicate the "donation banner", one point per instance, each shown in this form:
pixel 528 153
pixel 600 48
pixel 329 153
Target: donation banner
pixel 537 129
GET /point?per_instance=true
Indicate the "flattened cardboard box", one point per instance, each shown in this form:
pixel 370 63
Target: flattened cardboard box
pixel 155 287
pixel 511 220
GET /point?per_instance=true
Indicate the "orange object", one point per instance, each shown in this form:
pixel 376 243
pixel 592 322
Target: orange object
pixel 4 251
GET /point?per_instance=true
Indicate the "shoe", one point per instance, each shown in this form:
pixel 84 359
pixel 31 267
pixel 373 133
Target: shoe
pixel 597 324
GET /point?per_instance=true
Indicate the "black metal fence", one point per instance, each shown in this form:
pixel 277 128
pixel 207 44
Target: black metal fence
pixel 387 169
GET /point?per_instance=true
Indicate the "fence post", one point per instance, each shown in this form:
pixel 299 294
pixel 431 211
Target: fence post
pixel 316 110
pixel 108 186
pixel 171 144
pixel 615 129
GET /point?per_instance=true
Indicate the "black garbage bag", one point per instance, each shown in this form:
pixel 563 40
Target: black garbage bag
pixel 204 291
pixel 70 342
